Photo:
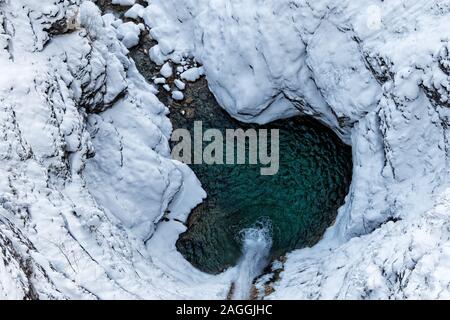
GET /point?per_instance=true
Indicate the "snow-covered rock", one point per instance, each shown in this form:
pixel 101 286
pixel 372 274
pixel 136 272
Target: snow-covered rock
pixel 129 33
pixel 159 81
pixel 177 95
pixel 166 70
pixel 374 71
pixel 123 2
pixel 401 260
pixel 192 74
pixel 135 12
pixel 86 174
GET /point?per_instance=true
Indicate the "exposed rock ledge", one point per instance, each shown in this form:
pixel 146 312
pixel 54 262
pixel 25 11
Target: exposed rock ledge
pixel 85 164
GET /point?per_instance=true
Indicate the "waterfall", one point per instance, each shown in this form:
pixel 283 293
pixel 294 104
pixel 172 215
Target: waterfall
pixel 256 244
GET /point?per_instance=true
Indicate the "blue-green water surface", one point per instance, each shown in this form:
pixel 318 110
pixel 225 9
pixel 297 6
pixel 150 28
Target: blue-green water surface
pixel 300 202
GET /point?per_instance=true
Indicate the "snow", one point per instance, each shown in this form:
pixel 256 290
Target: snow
pixel 91 199
pixel 123 2
pixel 86 168
pixel 166 70
pixel 177 95
pixel 399 261
pixel 135 12
pixel 375 72
pixel 159 80
pixel 192 74
pixel 129 33
pixel 179 84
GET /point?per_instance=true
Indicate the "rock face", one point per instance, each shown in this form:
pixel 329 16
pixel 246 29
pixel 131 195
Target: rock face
pixel 86 176
pixel 85 165
pixel 377 73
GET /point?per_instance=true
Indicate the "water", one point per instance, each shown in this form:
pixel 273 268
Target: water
pixel 301 201
pixel 256 244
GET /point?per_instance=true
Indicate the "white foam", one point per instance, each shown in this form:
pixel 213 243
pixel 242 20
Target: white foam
pixel 256 244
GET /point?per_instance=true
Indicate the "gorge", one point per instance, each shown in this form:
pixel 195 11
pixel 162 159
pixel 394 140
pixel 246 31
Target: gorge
pixel 93 206
pixel 299 202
